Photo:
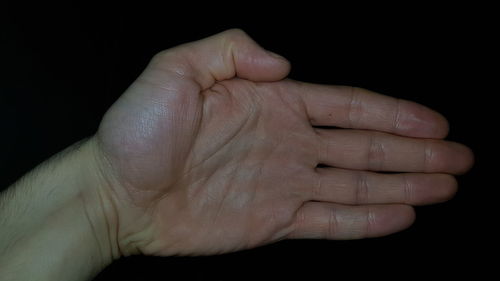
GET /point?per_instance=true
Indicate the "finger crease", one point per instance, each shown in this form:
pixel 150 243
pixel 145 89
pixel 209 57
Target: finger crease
pixel 428 154
pixel 332 223
pixel 316 192
pixel 298 226
pixel 361 193
pixel 397 116
pixel 408 189
pixel 376 154
pixel 353 108
pixel 370 221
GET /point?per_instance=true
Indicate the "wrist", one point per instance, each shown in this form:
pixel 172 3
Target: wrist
pixel 100 209
pixel 57 222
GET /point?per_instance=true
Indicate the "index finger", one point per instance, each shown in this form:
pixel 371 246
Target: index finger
pixel 357 108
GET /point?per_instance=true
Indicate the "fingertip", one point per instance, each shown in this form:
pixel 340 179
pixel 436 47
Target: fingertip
pixel 435 188
pixel 448 157
pixel 391 219
pixel 447 189
pixel 411 216
pixel 253 62
pixel 262 65
pixel 279 64
pixel 441 126
pixel 405 219
pixel 277 57
pixel 423 122
pixel 466 159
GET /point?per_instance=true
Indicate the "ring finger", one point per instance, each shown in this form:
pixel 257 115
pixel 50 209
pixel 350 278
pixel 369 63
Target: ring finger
pixel 361 187
pixel 376 151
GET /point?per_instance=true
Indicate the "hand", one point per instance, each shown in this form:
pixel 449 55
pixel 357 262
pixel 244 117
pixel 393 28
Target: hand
pixel 211 151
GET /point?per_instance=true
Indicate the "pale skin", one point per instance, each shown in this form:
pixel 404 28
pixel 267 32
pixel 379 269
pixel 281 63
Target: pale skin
pixel 213 150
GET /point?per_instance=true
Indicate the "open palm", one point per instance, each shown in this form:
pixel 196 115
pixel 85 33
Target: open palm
pixel 210 151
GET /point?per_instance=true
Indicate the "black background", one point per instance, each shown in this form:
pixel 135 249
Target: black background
pixel 62 67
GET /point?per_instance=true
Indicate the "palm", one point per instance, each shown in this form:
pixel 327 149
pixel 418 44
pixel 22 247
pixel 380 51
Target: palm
pixel 204 169
pixel 247 171
pixel 239 173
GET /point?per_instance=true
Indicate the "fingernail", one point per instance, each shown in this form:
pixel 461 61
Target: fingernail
pixel 276 56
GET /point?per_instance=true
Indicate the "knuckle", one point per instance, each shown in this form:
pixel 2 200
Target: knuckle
pixel 164 59
pixel 234 35
pixel 376 153
pixel 236 32
pixel 160 56
pixel 408 189
pixel 396 124
pixel 332 223
pixel 370 221
pixel 429 156
pixel 362 188
pixel 354 107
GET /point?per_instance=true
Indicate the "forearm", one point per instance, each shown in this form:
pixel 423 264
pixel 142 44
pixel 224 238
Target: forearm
pixel 54 223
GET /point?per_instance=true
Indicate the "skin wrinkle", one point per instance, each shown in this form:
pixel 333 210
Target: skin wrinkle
pixel 332 223
pixel 142 80
pixel 197 129
pixel 214 75
pixel 322 145
pixel 230 69
pixel 104 160
pixel 301 98
pixel 298 222
pixel 354 108
pixel 94 231
pixel 397 118
pixel 303 106
pixel 176 70
pixel 235 135
pixel 361 191
pixel 223 200
pixel 408 189
pixel 133 243
pixel 193 192
pixel 372 157
pixel 232 64
pixel 292 106
pixel 242 127
pixel 273 216
pixel 229 139
pixel 197 76
pixel 318 145
pixel 231 178
pixel 316 191
pixel 370 221
pixel 428 154
pixel 108 226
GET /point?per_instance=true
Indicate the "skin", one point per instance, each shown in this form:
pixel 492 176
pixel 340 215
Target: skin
pixel 212 150
pixel 218 154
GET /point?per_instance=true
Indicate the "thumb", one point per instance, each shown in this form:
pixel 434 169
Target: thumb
pixel 223 56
